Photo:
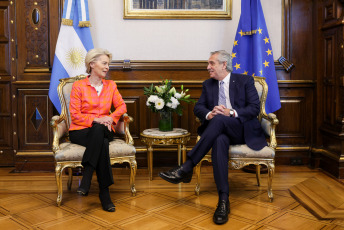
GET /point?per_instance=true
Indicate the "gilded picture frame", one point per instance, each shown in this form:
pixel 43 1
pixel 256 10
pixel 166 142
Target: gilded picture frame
pixel 177 9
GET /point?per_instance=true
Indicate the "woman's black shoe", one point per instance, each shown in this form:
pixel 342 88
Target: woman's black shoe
pixel 85 181
pixel 105 199
pixel 82 192
pixel 109 207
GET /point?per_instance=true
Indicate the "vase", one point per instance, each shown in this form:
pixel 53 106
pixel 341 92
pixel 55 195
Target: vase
pixel 165 121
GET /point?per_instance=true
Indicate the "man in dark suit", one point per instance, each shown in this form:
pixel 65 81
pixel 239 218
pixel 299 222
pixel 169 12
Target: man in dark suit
pixel 228 109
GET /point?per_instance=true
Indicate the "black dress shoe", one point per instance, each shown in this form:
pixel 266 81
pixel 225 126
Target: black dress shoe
pixel 82 192
pixel 105 200
pixel 221 212
pixel 176 175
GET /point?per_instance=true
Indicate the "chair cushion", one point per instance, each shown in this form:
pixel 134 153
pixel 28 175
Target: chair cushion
pixel 73 152
pixel 243 151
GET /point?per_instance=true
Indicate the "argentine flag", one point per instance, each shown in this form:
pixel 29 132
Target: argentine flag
pixel 73 42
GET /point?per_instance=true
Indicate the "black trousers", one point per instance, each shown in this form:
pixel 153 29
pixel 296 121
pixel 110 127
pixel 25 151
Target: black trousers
pixel 221 132
pixel 96 140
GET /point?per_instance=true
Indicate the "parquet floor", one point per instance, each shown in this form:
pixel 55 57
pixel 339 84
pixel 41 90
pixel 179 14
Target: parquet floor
pixel 28 201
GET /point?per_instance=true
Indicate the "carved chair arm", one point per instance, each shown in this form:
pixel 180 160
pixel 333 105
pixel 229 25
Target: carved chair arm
pixel 270 127
pixel 122 127
pixel 59 130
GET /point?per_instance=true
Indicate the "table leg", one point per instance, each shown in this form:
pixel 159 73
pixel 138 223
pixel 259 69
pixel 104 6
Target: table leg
pixel 179 154
pixel 184 153
pixel 150 161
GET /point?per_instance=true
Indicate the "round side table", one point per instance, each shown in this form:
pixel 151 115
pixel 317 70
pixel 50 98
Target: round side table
pixel 152 137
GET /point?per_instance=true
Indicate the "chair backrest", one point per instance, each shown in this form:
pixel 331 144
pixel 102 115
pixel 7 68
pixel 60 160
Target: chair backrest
pixel 64 89
pixel 262 89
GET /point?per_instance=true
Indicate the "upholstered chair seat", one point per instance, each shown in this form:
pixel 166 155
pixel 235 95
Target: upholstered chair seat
pixel 73 152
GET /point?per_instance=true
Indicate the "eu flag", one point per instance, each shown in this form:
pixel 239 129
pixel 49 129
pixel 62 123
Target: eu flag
pixel 252 51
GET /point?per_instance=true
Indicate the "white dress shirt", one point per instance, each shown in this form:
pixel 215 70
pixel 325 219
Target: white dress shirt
pixel 226 81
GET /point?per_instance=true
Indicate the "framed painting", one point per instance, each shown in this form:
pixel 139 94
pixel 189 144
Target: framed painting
pixel 177 9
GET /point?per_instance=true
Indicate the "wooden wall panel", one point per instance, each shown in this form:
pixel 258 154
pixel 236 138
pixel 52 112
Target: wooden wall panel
pixel 4 39
pixel 35 131
pixel 7 26
pixel 329 152
pixel 301 39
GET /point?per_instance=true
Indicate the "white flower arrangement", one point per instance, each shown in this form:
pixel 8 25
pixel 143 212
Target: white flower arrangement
pixel 165 98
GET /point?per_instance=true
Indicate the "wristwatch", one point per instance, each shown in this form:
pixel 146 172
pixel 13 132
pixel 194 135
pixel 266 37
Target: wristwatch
pixel 231 113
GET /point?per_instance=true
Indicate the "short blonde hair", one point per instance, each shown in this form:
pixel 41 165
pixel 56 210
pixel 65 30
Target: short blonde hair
pixel 92 55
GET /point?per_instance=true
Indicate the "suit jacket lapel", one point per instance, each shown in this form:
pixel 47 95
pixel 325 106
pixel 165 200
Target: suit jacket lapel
pixel 215 89
pixel 232 89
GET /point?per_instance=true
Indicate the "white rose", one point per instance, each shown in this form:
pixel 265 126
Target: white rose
pixel 159 104
pixel 153 98
pixel 175 102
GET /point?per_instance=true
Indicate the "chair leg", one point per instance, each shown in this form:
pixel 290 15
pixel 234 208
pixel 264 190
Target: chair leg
pixel 258 174
pixel 271 172
pixel 198 177
pixel 58 175
pixel 133 168
pixel 70 179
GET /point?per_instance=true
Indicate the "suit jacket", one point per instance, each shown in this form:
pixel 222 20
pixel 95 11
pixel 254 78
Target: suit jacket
pixel 244 100
pixel 85 104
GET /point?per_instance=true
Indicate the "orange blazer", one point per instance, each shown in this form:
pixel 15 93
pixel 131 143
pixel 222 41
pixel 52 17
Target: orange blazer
pixel 85 104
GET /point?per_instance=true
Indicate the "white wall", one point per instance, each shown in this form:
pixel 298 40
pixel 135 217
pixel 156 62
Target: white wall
pixel 172 39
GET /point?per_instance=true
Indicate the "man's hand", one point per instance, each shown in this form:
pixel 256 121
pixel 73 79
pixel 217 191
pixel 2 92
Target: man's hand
pixel 219 109
pixel 107 121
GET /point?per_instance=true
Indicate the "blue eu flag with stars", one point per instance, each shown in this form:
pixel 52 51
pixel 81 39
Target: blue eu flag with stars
pixel 252 51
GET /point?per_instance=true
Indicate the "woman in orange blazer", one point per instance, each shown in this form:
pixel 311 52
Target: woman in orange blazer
pixel 92 125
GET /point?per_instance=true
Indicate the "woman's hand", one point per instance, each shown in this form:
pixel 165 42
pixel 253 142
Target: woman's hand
pixel 107 121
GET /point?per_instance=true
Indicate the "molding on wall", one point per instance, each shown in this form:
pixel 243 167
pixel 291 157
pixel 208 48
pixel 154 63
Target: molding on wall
pixel 293 148
pixel 166 65
pixel 35 154
pixel 328 153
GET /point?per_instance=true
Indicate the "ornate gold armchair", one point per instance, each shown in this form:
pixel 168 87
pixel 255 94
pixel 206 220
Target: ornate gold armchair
pixel 68 155
pixel 242 155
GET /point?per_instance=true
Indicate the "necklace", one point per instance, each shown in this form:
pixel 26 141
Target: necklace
pixel 98 88
pixel 96 85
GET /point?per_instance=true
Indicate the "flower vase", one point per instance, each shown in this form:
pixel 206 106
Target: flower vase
pixel 165 121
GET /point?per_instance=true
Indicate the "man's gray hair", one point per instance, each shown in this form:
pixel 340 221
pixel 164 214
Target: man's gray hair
pixel 224 56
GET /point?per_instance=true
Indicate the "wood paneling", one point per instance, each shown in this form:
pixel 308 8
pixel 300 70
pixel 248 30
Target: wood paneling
pixel 7 25
pixel 330 71
pixel 4 39
pixel 33 105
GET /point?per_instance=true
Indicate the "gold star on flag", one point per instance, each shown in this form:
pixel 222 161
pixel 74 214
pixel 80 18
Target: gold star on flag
pixel 235 43
pixel 237 66
pixel 261 72
pixel 246 72
pixel 266 63
pixel 241 33
pixel 269 52
pixel 266 40
pixel 253 75
pixel 233 55
pixel 260 31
